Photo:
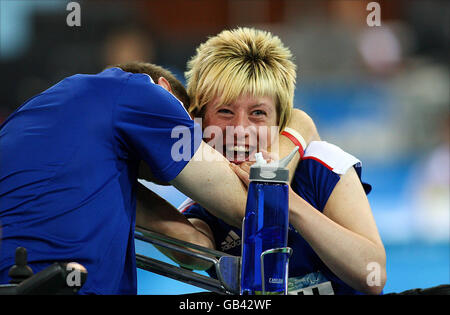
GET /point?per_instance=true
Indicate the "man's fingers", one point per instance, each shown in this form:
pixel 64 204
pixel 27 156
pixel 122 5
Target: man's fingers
pixel 245 166
pixel 269 156
pixel 241 173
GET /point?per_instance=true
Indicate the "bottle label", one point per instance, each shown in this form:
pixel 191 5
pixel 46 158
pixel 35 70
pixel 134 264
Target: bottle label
pixel 276 280
pixel 314 283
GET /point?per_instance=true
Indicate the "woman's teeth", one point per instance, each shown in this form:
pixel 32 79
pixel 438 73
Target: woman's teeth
pixel 237 153
pixel 240 149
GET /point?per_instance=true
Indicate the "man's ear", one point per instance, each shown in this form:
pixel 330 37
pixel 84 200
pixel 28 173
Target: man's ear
pixel 165 84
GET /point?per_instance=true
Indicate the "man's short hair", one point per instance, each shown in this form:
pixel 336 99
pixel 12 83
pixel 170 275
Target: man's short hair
pixel 155 72
pixel 242 61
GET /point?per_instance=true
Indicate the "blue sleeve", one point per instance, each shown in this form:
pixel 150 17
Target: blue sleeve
pixel 226 237
pixel 315 181
pixel 144 122
pixel 198 212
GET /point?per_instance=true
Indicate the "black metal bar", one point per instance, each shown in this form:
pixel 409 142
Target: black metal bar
pixel 224 284
pixel 151 237
pixel 179 274
pixel 177 248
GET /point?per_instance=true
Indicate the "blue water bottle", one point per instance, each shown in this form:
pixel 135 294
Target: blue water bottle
pixel 265 255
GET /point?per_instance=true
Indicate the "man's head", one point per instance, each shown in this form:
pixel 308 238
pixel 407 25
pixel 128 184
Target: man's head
pixel 239 62
pixel 160 76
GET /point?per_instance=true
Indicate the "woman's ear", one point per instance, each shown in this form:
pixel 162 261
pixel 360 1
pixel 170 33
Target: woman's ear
pixel 165 84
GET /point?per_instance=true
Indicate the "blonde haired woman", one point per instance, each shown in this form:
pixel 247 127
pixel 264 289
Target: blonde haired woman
pixel 246 78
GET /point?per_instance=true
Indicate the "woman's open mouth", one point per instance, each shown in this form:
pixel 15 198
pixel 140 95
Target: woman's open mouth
pixel 238 153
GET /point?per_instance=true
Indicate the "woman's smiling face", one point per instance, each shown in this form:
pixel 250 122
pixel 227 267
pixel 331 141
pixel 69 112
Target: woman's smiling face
pixel 247 126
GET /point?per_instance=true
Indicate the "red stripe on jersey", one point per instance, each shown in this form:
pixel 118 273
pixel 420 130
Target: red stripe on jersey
pixel 295 141
pixel 320 161
pixel 188 206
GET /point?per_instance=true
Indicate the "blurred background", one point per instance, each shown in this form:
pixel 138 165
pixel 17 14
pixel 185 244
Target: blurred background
pixel 380 93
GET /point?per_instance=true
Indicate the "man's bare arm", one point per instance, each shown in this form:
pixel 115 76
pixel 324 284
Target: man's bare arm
pixel 209 180
pixel 156 214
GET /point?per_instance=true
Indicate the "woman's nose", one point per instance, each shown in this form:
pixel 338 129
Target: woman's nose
pixel 242 126
pixel 240 119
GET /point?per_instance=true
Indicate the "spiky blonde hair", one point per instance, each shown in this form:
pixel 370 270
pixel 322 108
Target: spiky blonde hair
pixel 239 62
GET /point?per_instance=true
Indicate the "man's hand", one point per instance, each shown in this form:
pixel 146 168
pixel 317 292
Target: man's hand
pixel 304 125
pixel 243 170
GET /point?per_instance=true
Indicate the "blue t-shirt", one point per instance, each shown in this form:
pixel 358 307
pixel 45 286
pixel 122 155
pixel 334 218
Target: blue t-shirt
pixel 314 181
pixel 69 159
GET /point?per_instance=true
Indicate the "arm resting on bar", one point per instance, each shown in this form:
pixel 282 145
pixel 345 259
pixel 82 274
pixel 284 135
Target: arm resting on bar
pixel 156 214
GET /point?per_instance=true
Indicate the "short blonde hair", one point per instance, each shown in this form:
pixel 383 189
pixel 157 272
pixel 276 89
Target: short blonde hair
pixel 239 62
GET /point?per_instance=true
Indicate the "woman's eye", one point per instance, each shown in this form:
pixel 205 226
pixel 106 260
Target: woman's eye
pixel 258 112
pixel 224 111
